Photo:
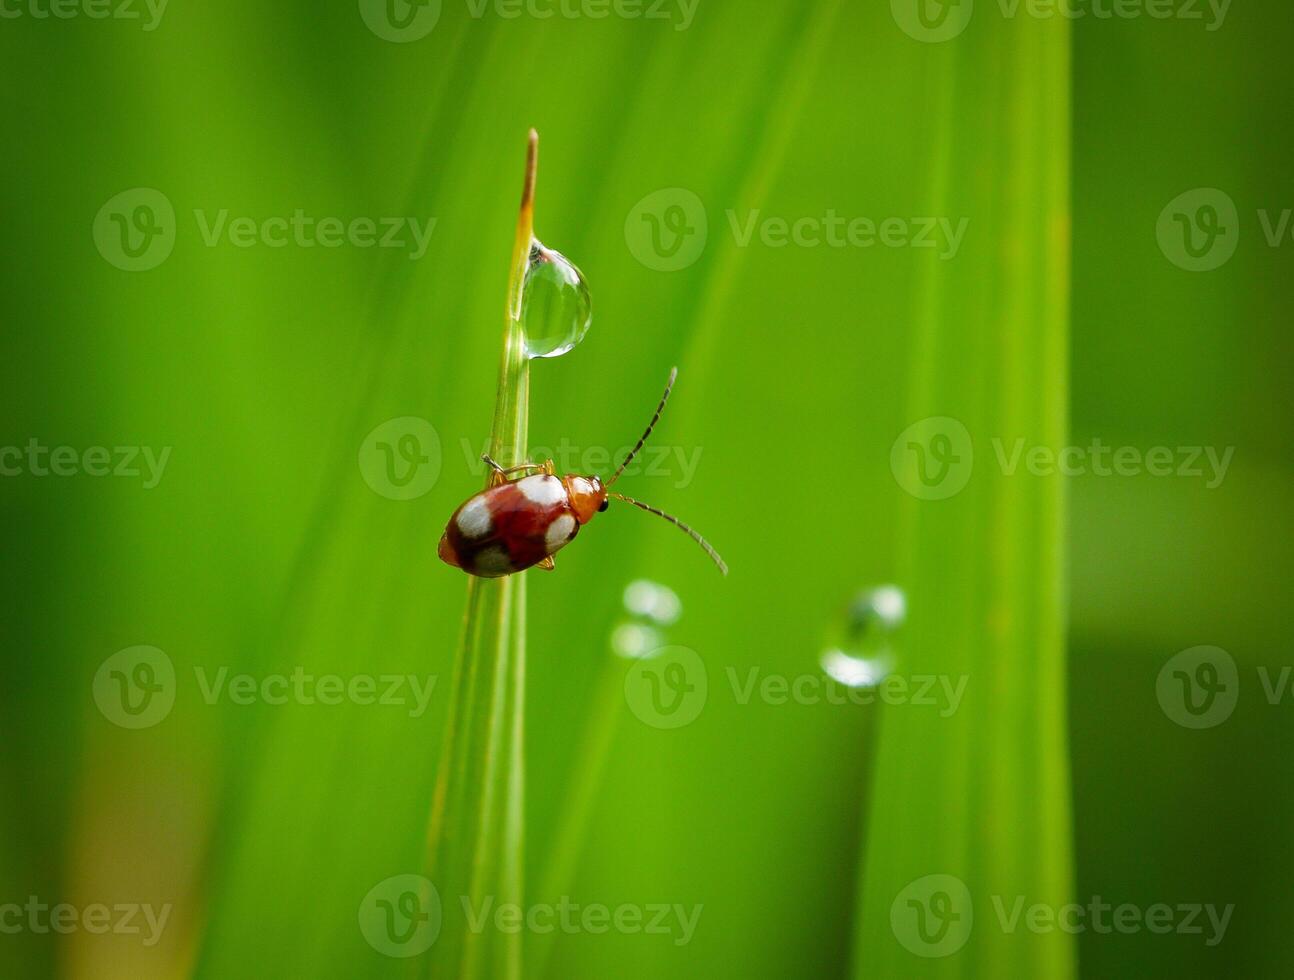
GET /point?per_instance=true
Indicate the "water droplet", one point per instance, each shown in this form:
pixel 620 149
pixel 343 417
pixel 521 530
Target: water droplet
pixel 859 650
pixel 652 601
pixel 556 308
pixel 649 608
pixel 635 640
pixel 854 671
pixel 885 606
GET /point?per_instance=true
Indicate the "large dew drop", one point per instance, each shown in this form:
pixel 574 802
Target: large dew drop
pixel 859 651
pixel 556 308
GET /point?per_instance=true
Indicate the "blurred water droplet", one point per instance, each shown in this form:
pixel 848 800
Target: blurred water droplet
pixel 635 640
pixel 859 649
pixel 556 308
pixel 652 601
pixel 885 606
pixel 649 608
pixel 854 671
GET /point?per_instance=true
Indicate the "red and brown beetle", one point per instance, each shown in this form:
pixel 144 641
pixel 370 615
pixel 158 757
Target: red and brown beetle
pixel 519 522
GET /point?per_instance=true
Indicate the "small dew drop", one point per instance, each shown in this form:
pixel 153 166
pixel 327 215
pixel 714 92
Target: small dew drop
pixel 556 308
pixel 859 651
pixel 649 608
pixel 885 606
pixel 652 601
pixel 635 640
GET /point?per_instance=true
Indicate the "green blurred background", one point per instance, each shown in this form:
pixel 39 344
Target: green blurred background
pixel 270 543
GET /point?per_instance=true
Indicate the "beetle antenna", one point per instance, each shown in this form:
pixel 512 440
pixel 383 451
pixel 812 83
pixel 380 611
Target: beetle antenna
pixel 669 385
pixel 705 545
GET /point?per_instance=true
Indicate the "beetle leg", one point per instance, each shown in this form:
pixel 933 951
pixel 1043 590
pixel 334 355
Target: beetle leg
pixel 547 564
pixel 500 474
pixel 497 474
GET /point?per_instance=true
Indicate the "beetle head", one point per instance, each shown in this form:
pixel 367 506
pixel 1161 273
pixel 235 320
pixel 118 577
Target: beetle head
pixel 587 496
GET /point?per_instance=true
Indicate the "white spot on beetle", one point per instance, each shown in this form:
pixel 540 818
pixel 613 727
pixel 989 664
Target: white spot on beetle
pixel 474 519
pixel 492 561
pixel 546 490
pixel 559 532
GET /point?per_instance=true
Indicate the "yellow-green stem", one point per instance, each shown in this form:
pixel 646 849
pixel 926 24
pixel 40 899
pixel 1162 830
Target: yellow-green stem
pixel 475 837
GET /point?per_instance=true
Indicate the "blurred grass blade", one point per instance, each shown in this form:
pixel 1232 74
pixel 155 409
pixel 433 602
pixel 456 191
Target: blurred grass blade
pixel 970 807
pixel 476 821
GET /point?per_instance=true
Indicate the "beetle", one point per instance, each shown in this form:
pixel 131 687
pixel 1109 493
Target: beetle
pixel 528 513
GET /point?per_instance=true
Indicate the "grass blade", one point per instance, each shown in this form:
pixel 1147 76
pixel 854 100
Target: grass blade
pixel 475 835
pixel 970 808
